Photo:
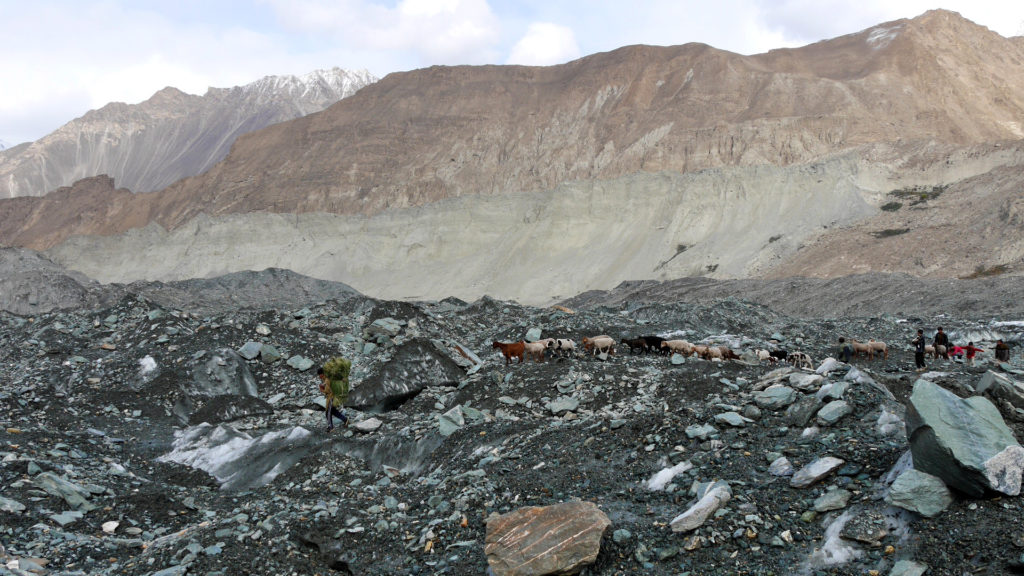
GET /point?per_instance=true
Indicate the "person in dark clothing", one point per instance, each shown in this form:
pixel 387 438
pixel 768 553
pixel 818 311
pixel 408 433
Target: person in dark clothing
pixel 1002 351
pixel 941 339
pixel 919 344
pixel 845 350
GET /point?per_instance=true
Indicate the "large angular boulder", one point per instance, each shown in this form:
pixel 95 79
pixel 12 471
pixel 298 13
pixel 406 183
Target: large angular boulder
pixel 558 539
pixel 965 442
pixel 1001 387
pixel 221 372
pixel 416 365
pixel 222 388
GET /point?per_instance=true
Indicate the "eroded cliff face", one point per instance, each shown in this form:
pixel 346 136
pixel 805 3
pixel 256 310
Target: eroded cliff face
pixel 172 135
pixel 542 246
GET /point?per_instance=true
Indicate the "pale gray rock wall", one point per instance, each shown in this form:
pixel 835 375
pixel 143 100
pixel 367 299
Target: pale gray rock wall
pixel 534 247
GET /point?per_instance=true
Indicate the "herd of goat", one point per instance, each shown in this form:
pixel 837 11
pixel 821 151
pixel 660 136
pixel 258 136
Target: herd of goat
pixel 655 344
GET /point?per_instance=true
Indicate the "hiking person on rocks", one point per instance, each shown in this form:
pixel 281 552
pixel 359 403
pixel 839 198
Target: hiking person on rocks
pixel 970 350
pixel 1002 351
pixel 845 350
pixel 334 385
pixel 919 344
pixel 941 339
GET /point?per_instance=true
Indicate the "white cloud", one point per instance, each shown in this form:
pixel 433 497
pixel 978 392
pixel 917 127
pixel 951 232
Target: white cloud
pixel 64 57
pixel 545 44
pixel 423 31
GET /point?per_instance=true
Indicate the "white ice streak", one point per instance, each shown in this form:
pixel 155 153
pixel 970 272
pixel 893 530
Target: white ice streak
pixel 663 477
pixel 835 550
pixel 146 365
pixel 220 450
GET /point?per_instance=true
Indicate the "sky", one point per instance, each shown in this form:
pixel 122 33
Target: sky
pixel 62 58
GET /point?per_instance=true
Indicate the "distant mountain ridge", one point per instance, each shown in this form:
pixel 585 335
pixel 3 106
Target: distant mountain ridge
pixel 170 136
pixel 644 163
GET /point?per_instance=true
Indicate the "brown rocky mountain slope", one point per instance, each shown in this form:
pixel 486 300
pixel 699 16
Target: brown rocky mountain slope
pixel 641 163
pixel 420 136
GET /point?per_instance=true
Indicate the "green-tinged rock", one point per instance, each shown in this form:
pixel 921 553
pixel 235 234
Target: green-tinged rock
pixel 775 397
pixel 563 404
pixel 300 363
pixel 832 500
pixel 450 421
pixel 833 412
pixel 269 354
pixel 964 442
pixel 250 350
pixel 76 496
pixel 815 471
pixel 920 492
pixel 8 505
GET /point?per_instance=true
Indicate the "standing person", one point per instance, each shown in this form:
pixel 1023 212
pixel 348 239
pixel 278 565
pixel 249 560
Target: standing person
pixel 941 339
pixel 971 350
pixel 334 385
pixel 845 350
pixel 919 344
pixel 1002 351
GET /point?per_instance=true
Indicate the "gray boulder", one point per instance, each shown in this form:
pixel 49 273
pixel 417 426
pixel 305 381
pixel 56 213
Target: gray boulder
pixel 965 442
pixel 806 382
pixel 382 329
pixel 920 492
pixel 415 365
pixel 300 363
pixel 815 471
pixel 250 350
pixel 1001 388
pixel 775 397
pixel 800 412
pixel 221 372
pixel 833 411
pixel 450 421
pixel 832 500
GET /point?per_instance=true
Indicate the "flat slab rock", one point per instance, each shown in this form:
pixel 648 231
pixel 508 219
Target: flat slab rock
pixel 558 539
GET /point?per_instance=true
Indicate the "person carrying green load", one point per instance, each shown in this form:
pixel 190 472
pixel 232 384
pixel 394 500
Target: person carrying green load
pixel 334 384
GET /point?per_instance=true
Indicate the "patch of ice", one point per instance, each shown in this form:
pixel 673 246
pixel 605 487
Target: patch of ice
pixel 889 423
pixel 834 550
pixel 146 365
pixel 234 458
pixel 881 36
pixel 1009 323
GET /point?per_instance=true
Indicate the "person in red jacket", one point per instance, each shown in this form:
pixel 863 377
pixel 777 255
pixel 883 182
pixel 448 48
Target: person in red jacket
pixel 956 352
pixel 970 350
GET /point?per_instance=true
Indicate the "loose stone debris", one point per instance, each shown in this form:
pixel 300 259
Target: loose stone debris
pixel 176 432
